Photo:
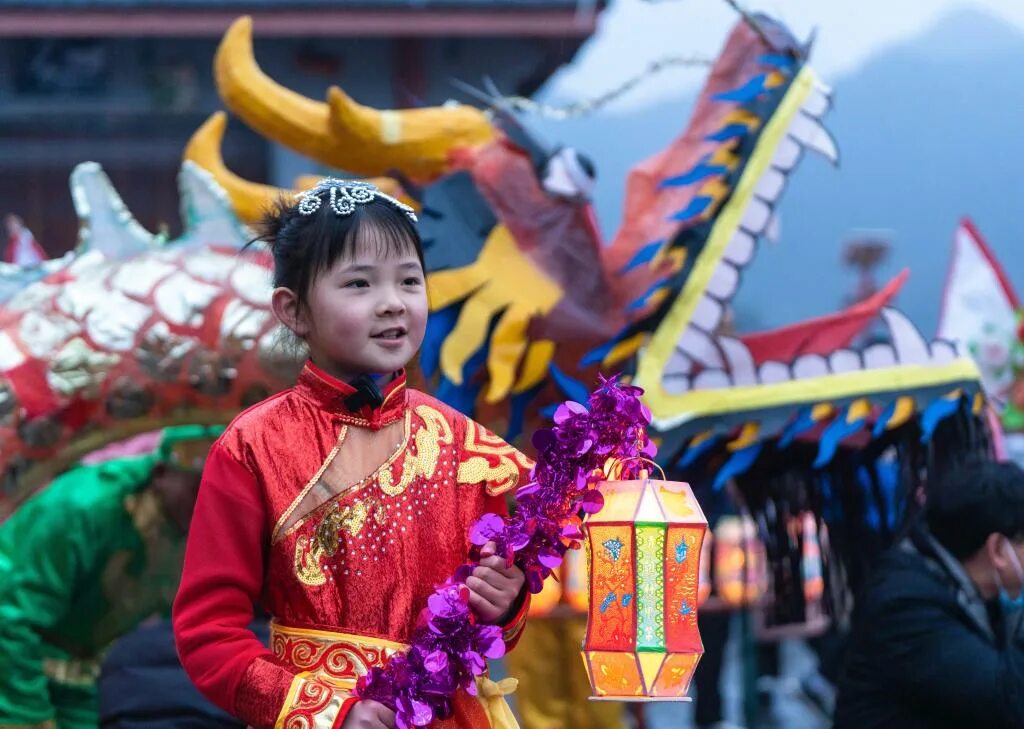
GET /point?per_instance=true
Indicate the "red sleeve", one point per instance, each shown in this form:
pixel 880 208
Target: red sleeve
pixel 222 579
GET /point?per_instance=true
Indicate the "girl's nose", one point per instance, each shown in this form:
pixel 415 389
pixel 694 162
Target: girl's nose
pixel 391 304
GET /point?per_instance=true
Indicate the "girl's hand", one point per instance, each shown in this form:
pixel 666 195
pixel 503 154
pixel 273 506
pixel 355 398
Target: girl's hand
pixel 369 715
pixel 494 587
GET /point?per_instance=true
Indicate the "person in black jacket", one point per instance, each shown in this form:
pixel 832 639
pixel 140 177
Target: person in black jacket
pixel 143 686
pixel 937 639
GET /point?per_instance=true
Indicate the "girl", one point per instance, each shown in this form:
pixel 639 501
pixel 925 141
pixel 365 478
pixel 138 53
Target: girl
pixel 340 503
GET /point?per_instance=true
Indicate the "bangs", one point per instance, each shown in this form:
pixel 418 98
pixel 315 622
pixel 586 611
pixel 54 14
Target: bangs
pixel 375 228
pixel 383 237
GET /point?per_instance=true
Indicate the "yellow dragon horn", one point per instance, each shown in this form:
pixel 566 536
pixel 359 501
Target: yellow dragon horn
pixel 342 134
pixel 267 107
pixel 249 199
pixel 416 142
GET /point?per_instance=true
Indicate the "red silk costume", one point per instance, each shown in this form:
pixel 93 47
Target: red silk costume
pixel 340 524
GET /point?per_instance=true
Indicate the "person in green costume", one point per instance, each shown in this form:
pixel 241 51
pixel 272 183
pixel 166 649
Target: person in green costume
pixel 88 558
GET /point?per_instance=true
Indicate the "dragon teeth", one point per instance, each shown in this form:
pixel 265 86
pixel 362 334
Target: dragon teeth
pixel 844 360
pixel 907 341
pixel 724 281
pixel 740 250
pixel 701 348
pixel 707 314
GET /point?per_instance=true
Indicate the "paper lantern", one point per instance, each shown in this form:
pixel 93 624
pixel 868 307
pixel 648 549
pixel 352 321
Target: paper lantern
pixel 741 573
pixel 566 589
pixel 642 642
pixel 704 583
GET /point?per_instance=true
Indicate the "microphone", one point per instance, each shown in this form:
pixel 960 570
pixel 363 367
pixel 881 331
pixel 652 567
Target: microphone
pixel 367 393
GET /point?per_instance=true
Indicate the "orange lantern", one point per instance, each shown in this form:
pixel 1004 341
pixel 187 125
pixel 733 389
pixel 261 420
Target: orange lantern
pixel 566 589
pixel 643 548
pixel 741 572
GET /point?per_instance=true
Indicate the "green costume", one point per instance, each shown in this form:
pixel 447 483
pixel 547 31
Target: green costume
pixel 82 562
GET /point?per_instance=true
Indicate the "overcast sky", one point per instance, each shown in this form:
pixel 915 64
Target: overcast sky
pixel 633 33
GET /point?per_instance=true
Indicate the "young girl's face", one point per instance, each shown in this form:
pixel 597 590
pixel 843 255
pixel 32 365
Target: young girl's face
pixel 366 314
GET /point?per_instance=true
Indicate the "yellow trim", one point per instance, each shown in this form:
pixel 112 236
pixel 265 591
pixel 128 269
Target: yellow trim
pixel 293 712
pixel 664 340
pixel 358 485
pixel 310 484
pixel 290 698
pixel 330 635
pixel 672 410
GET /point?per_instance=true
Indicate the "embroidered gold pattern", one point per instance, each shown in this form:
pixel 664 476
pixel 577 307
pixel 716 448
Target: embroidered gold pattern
pixel 308 554
pixel 350 520
pixel 337 658
pixel 419 458
pixel 434 432
pixel 356 487
pixel 311 704
pixel 309 485
pixel 326 540
pixel 489 459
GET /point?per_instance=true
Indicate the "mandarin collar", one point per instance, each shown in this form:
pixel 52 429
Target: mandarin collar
pixel 330 393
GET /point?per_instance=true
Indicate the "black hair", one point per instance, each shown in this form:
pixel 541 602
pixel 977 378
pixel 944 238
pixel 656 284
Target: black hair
pixel 305 246
pixel 973 500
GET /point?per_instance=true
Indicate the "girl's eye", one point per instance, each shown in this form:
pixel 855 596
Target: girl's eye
pixel 358 283
pixel 412 281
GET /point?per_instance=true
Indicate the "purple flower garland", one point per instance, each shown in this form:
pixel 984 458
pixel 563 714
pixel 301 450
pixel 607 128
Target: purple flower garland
pixel 449 648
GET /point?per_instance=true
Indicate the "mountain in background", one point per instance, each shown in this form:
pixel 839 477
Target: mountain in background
pixel 929 131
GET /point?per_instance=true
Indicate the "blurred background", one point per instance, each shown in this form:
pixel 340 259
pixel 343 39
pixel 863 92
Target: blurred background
pixel 927 116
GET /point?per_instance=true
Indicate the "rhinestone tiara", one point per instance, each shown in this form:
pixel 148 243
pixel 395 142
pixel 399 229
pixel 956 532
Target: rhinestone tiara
pixel 344 196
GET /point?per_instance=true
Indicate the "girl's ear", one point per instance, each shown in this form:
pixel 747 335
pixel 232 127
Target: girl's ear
pixel 286 308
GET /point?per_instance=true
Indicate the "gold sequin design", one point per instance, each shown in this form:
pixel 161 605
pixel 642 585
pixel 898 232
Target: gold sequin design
pixel 308 554
pixel 327 538
pixel 429 438
pixel 481 449
pixel 350 519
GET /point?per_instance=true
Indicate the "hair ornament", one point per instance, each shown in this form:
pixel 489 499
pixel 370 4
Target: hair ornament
pixel 344 196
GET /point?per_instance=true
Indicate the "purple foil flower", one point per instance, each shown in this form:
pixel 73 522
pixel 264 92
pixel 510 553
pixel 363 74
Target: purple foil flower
pixel 449 648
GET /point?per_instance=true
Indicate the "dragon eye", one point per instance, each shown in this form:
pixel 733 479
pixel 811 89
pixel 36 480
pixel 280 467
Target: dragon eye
pixel 569 174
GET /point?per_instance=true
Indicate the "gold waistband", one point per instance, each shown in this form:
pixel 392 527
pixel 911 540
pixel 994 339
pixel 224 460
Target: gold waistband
pixel 340 658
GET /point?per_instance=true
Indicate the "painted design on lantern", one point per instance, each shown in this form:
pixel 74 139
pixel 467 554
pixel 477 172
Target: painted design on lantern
pixel 613 547
pixel 681 585
pixel 650 583
pixel 611 625
pixel 681 550
pixel 620 675
pixel 644 546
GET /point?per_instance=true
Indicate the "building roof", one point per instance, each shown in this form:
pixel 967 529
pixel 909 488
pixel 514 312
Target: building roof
pixel 192 18
pixel 288 5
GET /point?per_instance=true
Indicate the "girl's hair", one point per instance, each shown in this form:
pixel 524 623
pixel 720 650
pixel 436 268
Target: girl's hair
pixel 305 246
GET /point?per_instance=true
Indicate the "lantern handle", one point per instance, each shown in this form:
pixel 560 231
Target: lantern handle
pixel 613 467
